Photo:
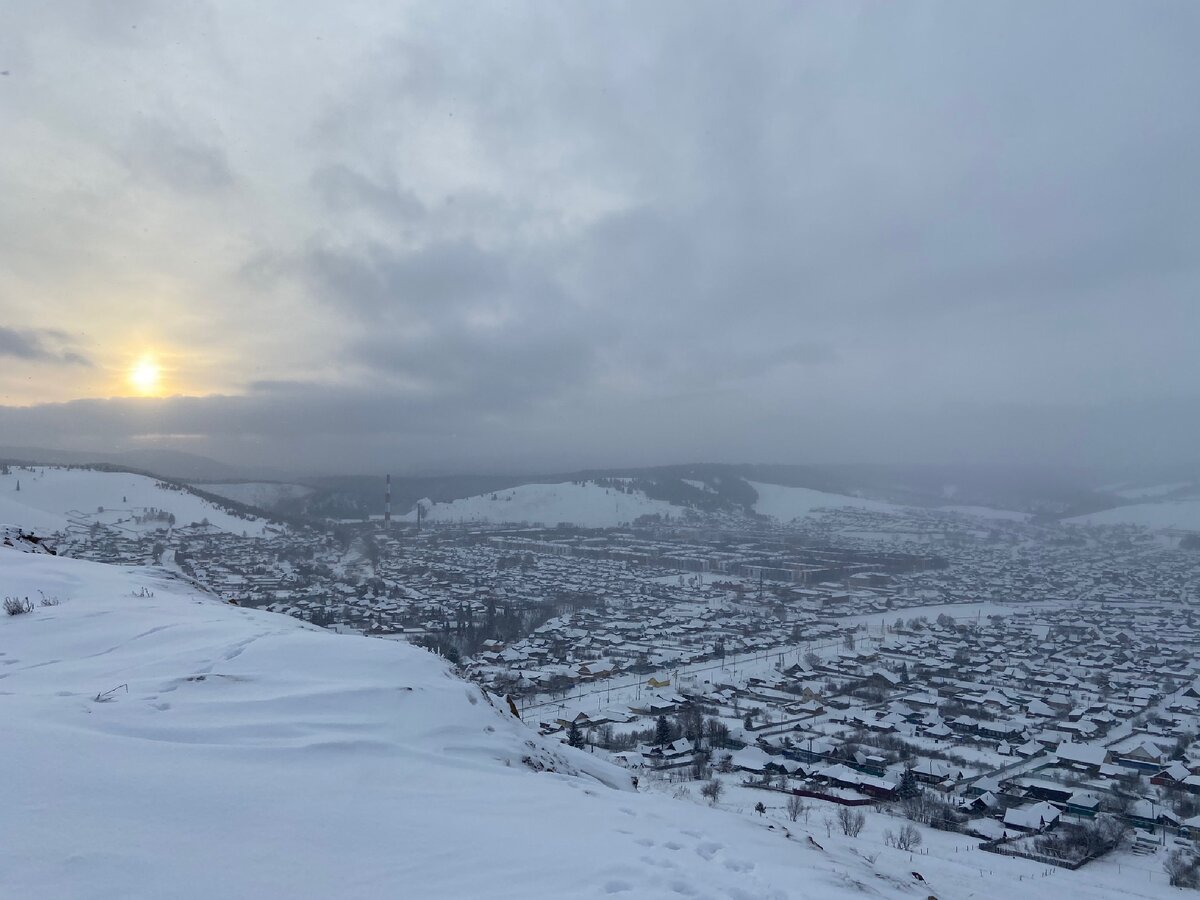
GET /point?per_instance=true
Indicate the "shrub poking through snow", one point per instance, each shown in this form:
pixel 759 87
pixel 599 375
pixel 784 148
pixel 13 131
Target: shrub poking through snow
pixel 15 606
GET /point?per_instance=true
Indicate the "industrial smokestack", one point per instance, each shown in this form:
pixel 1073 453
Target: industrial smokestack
pixel 387 504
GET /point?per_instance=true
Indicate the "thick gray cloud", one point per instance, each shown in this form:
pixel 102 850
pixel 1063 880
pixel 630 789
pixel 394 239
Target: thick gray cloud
pixel 40 345
pixel 187 162
pixel 571 234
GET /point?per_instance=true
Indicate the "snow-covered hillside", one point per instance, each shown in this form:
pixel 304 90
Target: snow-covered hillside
pixel 588 505
pixel 595 505
pixel 163 744
pixel 54 499
pixel 262 494
pixel 1161 514
pixel 788 503
pixel 1151 491
pixel 160 743
pixel 17 538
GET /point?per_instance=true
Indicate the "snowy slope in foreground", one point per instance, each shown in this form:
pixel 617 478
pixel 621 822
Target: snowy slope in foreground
pixel 788 503
pixel 174 746
pixel 253 756
pixel 588 505
pixel 52 499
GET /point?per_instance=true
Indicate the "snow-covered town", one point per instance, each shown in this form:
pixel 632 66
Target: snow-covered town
pixel 1029 685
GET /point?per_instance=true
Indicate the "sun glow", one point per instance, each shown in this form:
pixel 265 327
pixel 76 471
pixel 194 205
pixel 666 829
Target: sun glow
pixel 145 376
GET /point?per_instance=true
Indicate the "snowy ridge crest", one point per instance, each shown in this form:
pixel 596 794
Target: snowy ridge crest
pixel 16 538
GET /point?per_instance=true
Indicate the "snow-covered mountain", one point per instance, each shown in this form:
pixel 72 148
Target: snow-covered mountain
pixel 1154 505
pixel 50 498
pixel 1159 514
pixel 786 504
pixel 587 504
pixel 610 503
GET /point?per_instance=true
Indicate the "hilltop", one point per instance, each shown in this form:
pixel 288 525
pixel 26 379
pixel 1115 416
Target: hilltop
pixel 52 498
pixel 780 492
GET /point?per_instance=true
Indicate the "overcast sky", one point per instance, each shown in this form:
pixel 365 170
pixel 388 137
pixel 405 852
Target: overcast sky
pixel 501 236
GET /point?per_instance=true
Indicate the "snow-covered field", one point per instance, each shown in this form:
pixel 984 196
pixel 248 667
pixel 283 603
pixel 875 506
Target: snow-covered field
pixel 52 498
pixel 1183 514
pixel 788 503
pixel 262 494
pixel 588 505
pixel 160 743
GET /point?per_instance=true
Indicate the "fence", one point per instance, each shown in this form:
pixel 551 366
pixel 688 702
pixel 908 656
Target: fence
pixel 1072 864
pixel 996 847
pixel 812 794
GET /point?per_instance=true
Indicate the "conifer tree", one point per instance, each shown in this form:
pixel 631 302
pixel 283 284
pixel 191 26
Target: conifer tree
pixel 908 786
pixel 662 731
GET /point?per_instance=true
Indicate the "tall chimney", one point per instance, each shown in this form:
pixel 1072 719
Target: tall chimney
pixel 387 504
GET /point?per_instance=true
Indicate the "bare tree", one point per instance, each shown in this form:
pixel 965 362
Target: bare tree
pixel 1181 867
pixel 712 790
pixel 795 806
pixel 907 838
pixel 851 820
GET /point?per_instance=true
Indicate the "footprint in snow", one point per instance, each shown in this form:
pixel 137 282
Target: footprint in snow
pixel 659 863
pixel 708 849
pixel 616 886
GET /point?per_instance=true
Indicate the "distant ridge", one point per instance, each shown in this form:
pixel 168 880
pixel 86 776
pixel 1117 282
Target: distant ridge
pixel 167 463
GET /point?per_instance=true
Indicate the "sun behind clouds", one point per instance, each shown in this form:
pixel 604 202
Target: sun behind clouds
pixel 145 376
